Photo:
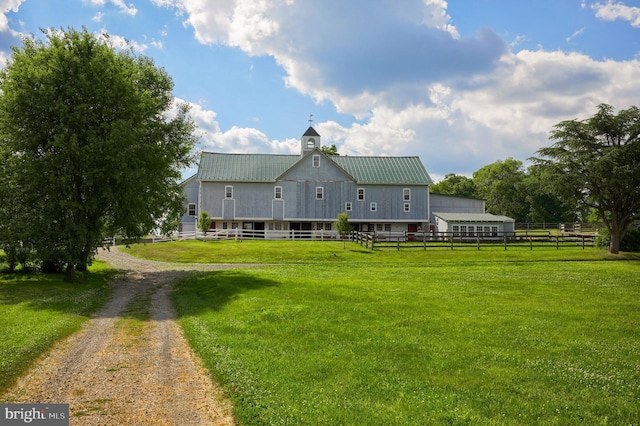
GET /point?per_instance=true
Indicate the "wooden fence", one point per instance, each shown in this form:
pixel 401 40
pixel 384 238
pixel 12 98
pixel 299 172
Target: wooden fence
pixel 451 240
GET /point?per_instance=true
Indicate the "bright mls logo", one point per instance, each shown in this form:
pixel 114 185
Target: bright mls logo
pixel 36 414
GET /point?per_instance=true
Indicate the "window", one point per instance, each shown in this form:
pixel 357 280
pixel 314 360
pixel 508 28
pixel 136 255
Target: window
pixel 387 227
pixel 370 227
pixel 319 193
pixel 234 225
pixel 406 194
pixel 192 209
pixel 463 230
pixel 225 225
pixel 407 207
pixel 494 231
pixel 228 191
pixel 373 206
pixel 316 161
pixel 327 226
pixel 277 192
pixel 278 226
pixel 347 206
pixel 360 194
pixel 379 227
pixel 455 229
pixel 471 232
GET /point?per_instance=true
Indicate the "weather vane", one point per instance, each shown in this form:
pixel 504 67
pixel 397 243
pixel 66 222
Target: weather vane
pixel 310 119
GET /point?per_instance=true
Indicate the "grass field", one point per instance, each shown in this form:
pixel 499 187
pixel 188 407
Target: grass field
pixel 38 309
pixel 333 336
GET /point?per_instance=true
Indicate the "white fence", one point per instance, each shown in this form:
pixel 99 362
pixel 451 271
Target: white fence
pixel 247 234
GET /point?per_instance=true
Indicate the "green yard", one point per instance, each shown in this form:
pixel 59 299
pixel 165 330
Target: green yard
pixel 414 337
pixel 326 335
pixel 38 309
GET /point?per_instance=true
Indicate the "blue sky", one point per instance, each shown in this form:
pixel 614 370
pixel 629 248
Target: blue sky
pixel 461 84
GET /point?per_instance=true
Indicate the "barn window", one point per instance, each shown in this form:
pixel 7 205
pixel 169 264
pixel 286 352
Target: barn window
pixel 406 194
pixel 228 191
pixel 277 193
pixel 316 161
pixel 347 206
pixel 319 193
pixel 192 209
pixel 373 206
pixel 360 194
pixel 407 207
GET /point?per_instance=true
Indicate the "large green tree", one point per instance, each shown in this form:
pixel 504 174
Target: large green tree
pixel 93 143
pixel 454 184
pixel 502 186
pixel 544 204
pixel 597 162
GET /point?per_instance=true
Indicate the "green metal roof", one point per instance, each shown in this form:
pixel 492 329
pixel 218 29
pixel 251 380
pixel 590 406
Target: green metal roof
pixel 385 170
pixel 244 167
pixel 266 168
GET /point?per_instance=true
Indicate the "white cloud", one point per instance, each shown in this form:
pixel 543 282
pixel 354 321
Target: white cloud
pixel 575 34
pixel 236 139
pixel 128 9
pixel 611 11
pixel 97 17
pixel 458 102
pixel 8 6
pixel 122 43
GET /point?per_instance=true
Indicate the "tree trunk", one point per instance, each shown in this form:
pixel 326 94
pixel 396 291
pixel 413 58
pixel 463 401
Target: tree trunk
pixel 617 231
pixel 69 273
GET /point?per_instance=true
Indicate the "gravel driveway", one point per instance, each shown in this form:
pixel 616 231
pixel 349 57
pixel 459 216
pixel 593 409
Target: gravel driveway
pixel 111 375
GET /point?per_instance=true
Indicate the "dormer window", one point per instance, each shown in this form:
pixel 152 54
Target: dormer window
pixel 316 161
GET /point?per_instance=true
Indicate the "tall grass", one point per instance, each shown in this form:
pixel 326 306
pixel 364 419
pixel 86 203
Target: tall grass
pixel 462 337
pixel 38 309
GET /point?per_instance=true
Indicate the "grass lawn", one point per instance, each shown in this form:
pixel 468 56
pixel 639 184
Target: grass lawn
pixel 38 309
pixel 414 337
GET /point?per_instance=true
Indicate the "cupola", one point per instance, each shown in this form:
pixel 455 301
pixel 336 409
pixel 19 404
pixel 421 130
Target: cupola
pixel 310 141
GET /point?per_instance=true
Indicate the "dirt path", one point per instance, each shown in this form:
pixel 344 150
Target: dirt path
pixel 119 371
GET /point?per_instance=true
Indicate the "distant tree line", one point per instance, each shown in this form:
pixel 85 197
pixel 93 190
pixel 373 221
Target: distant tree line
pixel 510 189
pixel 591 173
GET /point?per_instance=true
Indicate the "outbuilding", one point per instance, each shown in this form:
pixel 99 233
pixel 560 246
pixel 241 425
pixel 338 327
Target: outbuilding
pixel 474 224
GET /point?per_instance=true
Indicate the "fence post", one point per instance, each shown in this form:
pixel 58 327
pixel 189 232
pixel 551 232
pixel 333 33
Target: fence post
pixel 504 235
pixel 557 240
pixel 451 239
pixel 478 239
pixel 530 242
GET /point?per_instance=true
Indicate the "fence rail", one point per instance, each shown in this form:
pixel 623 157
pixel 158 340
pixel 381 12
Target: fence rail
pixel 553 236
pixel 450 240
pixel 248 234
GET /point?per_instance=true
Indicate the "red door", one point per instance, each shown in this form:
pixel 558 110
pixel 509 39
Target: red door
pixel 412 228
